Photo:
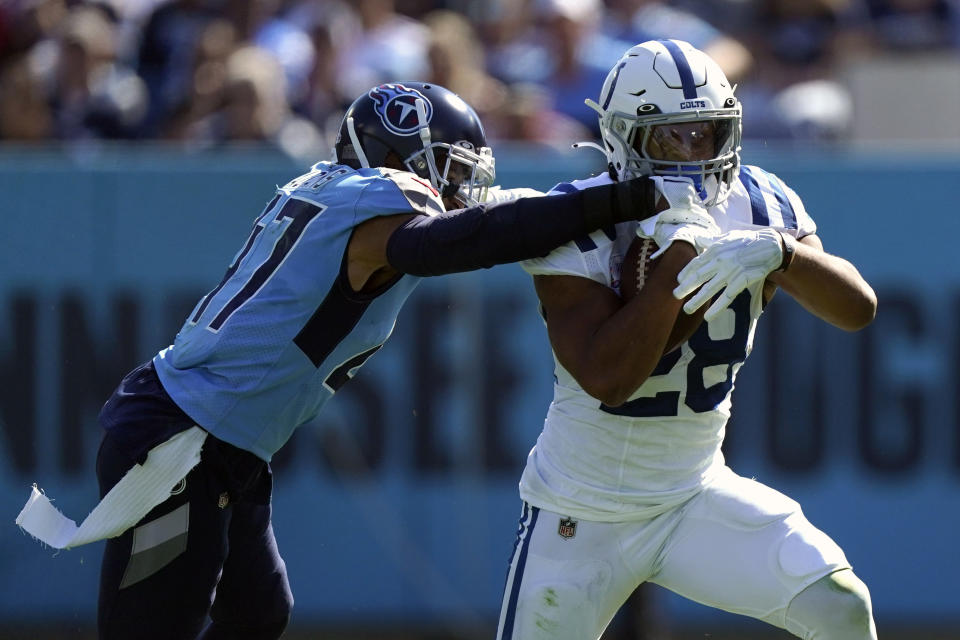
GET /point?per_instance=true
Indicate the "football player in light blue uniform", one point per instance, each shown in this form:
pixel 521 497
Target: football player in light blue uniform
pixel 284 329
pixel 627 482
pixel 312 293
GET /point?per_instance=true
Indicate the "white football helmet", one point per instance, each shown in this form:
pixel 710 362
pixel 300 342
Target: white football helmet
pixel 669 82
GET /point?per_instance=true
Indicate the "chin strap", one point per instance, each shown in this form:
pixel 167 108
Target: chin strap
pixel 424 129
pixel 602 112
pixel 592 145
pixel 589 145
pixel 611 170
pixel 614 174
pixel 355 141
pixel 426 141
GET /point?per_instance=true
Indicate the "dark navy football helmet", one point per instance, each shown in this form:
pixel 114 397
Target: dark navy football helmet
pixel 432 131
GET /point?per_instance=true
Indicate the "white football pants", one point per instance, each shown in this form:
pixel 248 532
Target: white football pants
pixel 738 545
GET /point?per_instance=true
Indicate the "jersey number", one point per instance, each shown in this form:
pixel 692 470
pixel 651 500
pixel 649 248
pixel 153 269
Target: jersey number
pixel 296 214
pixel 706 353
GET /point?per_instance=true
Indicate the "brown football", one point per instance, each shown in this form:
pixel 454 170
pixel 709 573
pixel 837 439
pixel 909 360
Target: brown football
pixel 637 267
pixel 634 273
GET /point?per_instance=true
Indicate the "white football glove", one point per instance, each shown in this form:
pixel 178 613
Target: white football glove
pixel 732 263
pixel 686 219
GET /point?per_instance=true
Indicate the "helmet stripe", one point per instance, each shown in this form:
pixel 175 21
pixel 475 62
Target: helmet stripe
pixel 613 85
pixel 683 68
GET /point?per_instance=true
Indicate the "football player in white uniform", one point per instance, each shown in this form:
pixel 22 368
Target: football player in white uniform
pixel 627 483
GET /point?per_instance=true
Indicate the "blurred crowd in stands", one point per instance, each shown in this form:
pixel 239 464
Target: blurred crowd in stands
pixel 209 73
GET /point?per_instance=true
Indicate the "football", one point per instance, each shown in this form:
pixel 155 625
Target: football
pixel 635 271
pixel 637 267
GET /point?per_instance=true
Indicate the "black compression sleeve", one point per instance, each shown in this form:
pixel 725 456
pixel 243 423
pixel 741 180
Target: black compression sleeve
pixel 490 234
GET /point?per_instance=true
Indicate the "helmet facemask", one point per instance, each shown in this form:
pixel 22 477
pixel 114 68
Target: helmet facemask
pixel 640 140
pixel 455 171
pixel 422 128
pixel 655 102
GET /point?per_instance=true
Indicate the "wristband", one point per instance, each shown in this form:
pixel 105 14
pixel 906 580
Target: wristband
pixel 789 246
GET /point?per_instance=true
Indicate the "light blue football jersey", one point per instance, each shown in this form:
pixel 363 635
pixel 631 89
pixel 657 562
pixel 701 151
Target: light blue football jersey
pixel 263 351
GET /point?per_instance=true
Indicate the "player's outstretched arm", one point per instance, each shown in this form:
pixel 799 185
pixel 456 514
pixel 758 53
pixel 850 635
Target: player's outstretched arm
pixel 828 286
pixel 490 234
pixel 608 346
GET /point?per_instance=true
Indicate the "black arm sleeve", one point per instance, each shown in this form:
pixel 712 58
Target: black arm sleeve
pixel 490 234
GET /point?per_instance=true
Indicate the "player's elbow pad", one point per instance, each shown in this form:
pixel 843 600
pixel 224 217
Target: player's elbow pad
pixel 490 234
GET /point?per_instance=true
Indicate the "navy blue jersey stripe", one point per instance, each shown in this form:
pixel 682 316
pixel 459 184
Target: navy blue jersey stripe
pixel 666 363
pixel 257 228
pixel 565 187
pixel 336 317
pixel 585 244
pixel 339 376
pixel 300 213
pixel 610 231
pixel 518 577
pixel 613 85
pixel 786 209
pixel 270 205
pixel 232 269
pixel 267 209
pixel 757 204
pixel 513 552
pixel 683 68
pixel 664 403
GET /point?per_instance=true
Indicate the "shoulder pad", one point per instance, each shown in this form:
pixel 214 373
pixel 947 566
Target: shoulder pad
pixel 772 202
pixel 565 260
pixel 499 194
pixel 579 185
pixel 423 198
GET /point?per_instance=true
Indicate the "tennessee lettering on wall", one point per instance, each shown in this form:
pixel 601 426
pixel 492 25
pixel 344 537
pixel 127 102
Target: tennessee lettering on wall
pixel 896 423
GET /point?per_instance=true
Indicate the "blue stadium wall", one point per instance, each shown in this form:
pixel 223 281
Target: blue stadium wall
pixel 399 505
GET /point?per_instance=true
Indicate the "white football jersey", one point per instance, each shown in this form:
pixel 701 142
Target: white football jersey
pixel 661 446
pixel 499 194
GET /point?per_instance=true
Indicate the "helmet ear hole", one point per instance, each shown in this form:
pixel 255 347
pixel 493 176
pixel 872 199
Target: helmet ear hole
pixel 393 161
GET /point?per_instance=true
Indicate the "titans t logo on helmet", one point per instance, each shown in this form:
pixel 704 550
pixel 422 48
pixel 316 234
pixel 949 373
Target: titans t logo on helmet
pixel 397 108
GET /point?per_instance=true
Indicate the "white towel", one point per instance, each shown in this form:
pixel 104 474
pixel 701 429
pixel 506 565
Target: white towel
pixel 140 490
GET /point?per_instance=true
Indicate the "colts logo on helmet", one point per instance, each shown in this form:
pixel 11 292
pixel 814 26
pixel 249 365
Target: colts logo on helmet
pixel 397 107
